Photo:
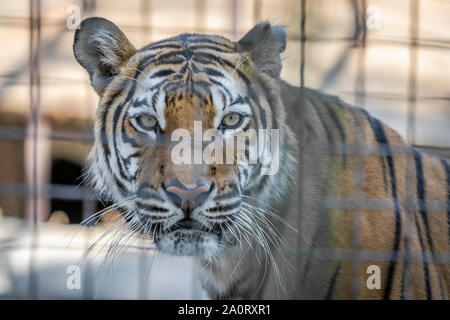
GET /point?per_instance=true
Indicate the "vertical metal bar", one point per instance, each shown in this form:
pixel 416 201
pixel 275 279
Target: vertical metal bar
pixel 257 8
pixel 358 173
pixel 360 44
pixel 235 7
pixel 34 60
pixel 146 21
pixel 146 25
pixel 300 173
pixel 302 42
pixel 200 15
pixel 410 137
pixel 412 77
pixel 140 262
pixel 88 205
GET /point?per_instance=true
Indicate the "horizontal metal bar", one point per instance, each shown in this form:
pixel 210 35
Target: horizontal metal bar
pixel 51 191
pixel 327 254
pixel 72 192
pixel 392 96
pixel 19 133
pixel 22 22
pixel 338 254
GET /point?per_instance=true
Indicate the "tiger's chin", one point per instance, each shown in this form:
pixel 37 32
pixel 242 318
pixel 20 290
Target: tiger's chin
pixel 186 242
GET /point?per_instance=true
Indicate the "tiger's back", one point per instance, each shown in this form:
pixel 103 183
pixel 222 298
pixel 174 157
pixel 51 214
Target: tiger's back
pixel 367 200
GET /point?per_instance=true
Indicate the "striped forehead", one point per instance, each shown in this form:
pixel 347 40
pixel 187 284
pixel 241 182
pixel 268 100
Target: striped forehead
pixel 224 101
pixel 205 66
pixel 194 42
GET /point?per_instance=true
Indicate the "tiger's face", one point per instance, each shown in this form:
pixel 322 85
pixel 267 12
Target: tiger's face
pixel 183 205
pixel 147 98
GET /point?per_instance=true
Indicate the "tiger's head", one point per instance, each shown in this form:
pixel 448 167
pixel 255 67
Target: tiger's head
pixel 148 96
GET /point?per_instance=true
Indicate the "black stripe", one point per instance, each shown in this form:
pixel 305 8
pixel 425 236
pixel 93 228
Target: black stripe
pixel 125 137
pixel 206 47
pixel 212 73
pixel 425 264
pixel 332 285
pixel 149 207
pixel 174 61
pixel 164 56
pixel 247 127
pixel 421 197
pixel 384 145
pixel 447 173
pixel 228 93
pixel 105 141
pixel 140 102
pixel 166 46
pixel 204 61
pixel 162 73
pixel 122 172
pixel 162 59
pixel 209 57
pixel 223 62
pixel 238 100
pixel 155 100
pixel 265 91
pixel 262 113
pixel 225 207
pixel 422 210
pixel 231 194
pixel 131 156
pixel 382 160
pixel 104 136
pixel 313 100
pixel 333 115
pixel 202 39
pixel 224 100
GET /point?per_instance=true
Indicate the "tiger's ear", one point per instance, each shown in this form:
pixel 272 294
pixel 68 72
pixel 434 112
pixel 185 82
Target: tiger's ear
pixel 265 44
pixel 102 49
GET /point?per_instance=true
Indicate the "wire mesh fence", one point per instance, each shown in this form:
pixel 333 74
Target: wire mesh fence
pixel 47 107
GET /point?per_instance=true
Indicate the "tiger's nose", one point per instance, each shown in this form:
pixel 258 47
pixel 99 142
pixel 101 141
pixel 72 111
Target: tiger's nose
pixel 188 198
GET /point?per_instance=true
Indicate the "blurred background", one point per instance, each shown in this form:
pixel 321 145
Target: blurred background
pixel 389 57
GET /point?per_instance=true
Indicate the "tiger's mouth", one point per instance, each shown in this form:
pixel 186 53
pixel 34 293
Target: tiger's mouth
pixel 189 237
pixel 195 226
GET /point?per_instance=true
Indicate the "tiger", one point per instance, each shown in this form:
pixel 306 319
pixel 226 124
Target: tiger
pixel 352 210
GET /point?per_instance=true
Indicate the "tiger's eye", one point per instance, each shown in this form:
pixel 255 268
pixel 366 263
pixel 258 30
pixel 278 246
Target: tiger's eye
pixel 232 120
pixel 146 122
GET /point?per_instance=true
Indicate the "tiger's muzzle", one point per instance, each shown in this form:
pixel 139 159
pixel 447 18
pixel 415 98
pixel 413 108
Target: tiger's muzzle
pixel 185 197
pixel 189 219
